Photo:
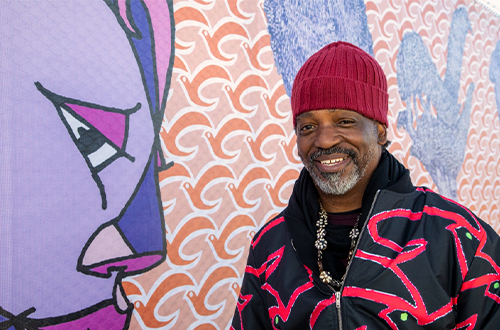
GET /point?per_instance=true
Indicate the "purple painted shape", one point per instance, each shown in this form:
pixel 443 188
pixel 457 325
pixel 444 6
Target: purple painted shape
pixel 111 124
pixel 106 318
pixel 160 21
pixel 130 265
pixel 51 207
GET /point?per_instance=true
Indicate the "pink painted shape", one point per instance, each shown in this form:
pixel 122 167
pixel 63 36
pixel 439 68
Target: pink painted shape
pixel 160 20
pixel 122 8
pixel 131 265
pixel 107 244
pixel 111 124
pixel 106 318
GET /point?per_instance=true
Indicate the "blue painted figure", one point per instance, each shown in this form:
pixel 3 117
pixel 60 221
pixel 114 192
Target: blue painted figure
pixel 495 74
pixel 300 28
pixel 438 141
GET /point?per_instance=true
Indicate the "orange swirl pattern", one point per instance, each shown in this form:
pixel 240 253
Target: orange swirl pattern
pixel 228 129
pixel 478 182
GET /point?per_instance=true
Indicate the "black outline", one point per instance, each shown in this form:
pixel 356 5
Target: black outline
pixel 61 102
pixel 114 222
pixel 157 119
pixel 19 321
pixel 22 322
pixel 157 114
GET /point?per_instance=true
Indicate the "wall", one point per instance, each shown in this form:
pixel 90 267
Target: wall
pixel 212 142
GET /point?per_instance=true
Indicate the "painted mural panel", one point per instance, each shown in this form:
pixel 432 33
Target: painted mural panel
pixel 135 127
pixel 83 95
pixel 440 136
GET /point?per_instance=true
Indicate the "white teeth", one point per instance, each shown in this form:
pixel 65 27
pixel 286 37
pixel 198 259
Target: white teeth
pixel 332 161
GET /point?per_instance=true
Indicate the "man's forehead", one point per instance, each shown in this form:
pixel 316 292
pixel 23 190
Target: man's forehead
pixel 310 113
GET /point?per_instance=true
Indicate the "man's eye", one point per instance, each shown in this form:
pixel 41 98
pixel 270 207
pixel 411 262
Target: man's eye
pixel 346 122
pixel 305 128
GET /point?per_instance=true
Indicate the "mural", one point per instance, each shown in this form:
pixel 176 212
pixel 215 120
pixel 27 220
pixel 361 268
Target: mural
pixel 133 127
pixel 440 136
pixel 495 74
pixel 302 28
pixel 90 96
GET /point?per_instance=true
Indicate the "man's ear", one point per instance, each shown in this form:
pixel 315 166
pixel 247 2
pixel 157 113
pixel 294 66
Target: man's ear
pixel 382 133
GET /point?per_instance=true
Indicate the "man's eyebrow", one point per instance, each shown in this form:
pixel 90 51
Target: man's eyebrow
pixel 304 115
pixel 308 114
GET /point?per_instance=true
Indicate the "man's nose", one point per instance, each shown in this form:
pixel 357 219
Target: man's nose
pixel 327 137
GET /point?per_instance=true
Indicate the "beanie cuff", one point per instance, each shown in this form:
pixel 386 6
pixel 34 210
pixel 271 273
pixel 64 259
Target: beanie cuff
pixel 340 93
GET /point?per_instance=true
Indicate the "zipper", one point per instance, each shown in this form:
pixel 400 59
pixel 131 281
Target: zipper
pixel 337 299
pixel 337 304
pixel 338 294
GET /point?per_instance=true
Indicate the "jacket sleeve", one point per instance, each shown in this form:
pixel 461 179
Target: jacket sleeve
pixel 251 308
pixel 478 303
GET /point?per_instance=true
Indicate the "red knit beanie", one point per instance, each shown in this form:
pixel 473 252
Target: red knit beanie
pixel 341 76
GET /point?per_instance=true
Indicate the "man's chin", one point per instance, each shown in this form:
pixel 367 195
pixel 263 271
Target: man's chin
pixel 335 184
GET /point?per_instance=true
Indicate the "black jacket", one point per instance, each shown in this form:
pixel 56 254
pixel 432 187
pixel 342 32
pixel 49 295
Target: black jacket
pixel 422 261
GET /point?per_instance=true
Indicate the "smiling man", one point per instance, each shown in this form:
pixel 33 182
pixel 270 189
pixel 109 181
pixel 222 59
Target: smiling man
pixel 358 246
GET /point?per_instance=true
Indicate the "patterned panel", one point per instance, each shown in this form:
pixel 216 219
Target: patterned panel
pixel 480 180
pixel 478 184
pixel 228 129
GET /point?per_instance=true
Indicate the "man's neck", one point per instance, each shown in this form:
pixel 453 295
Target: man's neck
pixel 340 203
pixel 352 200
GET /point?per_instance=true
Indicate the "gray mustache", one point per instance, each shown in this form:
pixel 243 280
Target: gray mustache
pixel 332 150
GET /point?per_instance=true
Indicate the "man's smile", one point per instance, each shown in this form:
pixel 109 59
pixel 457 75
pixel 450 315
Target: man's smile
pixel 330 162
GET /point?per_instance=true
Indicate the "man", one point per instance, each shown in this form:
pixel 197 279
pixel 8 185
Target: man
pixel 359 247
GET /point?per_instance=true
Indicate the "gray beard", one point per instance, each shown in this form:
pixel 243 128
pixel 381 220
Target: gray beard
pixel 334 183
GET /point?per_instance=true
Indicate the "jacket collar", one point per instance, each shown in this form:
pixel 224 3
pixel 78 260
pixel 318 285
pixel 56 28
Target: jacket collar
pixel 303 207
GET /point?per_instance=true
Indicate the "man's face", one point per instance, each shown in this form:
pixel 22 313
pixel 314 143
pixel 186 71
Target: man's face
pixel 340 149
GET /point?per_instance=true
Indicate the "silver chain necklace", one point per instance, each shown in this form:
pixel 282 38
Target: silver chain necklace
pixel 321 245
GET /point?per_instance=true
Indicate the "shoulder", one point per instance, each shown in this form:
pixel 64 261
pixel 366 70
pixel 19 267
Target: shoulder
pixel 273 235
pixel 269 242
pixel 441 206
pixel 426 202
pixel 434 212
pixel 271 231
